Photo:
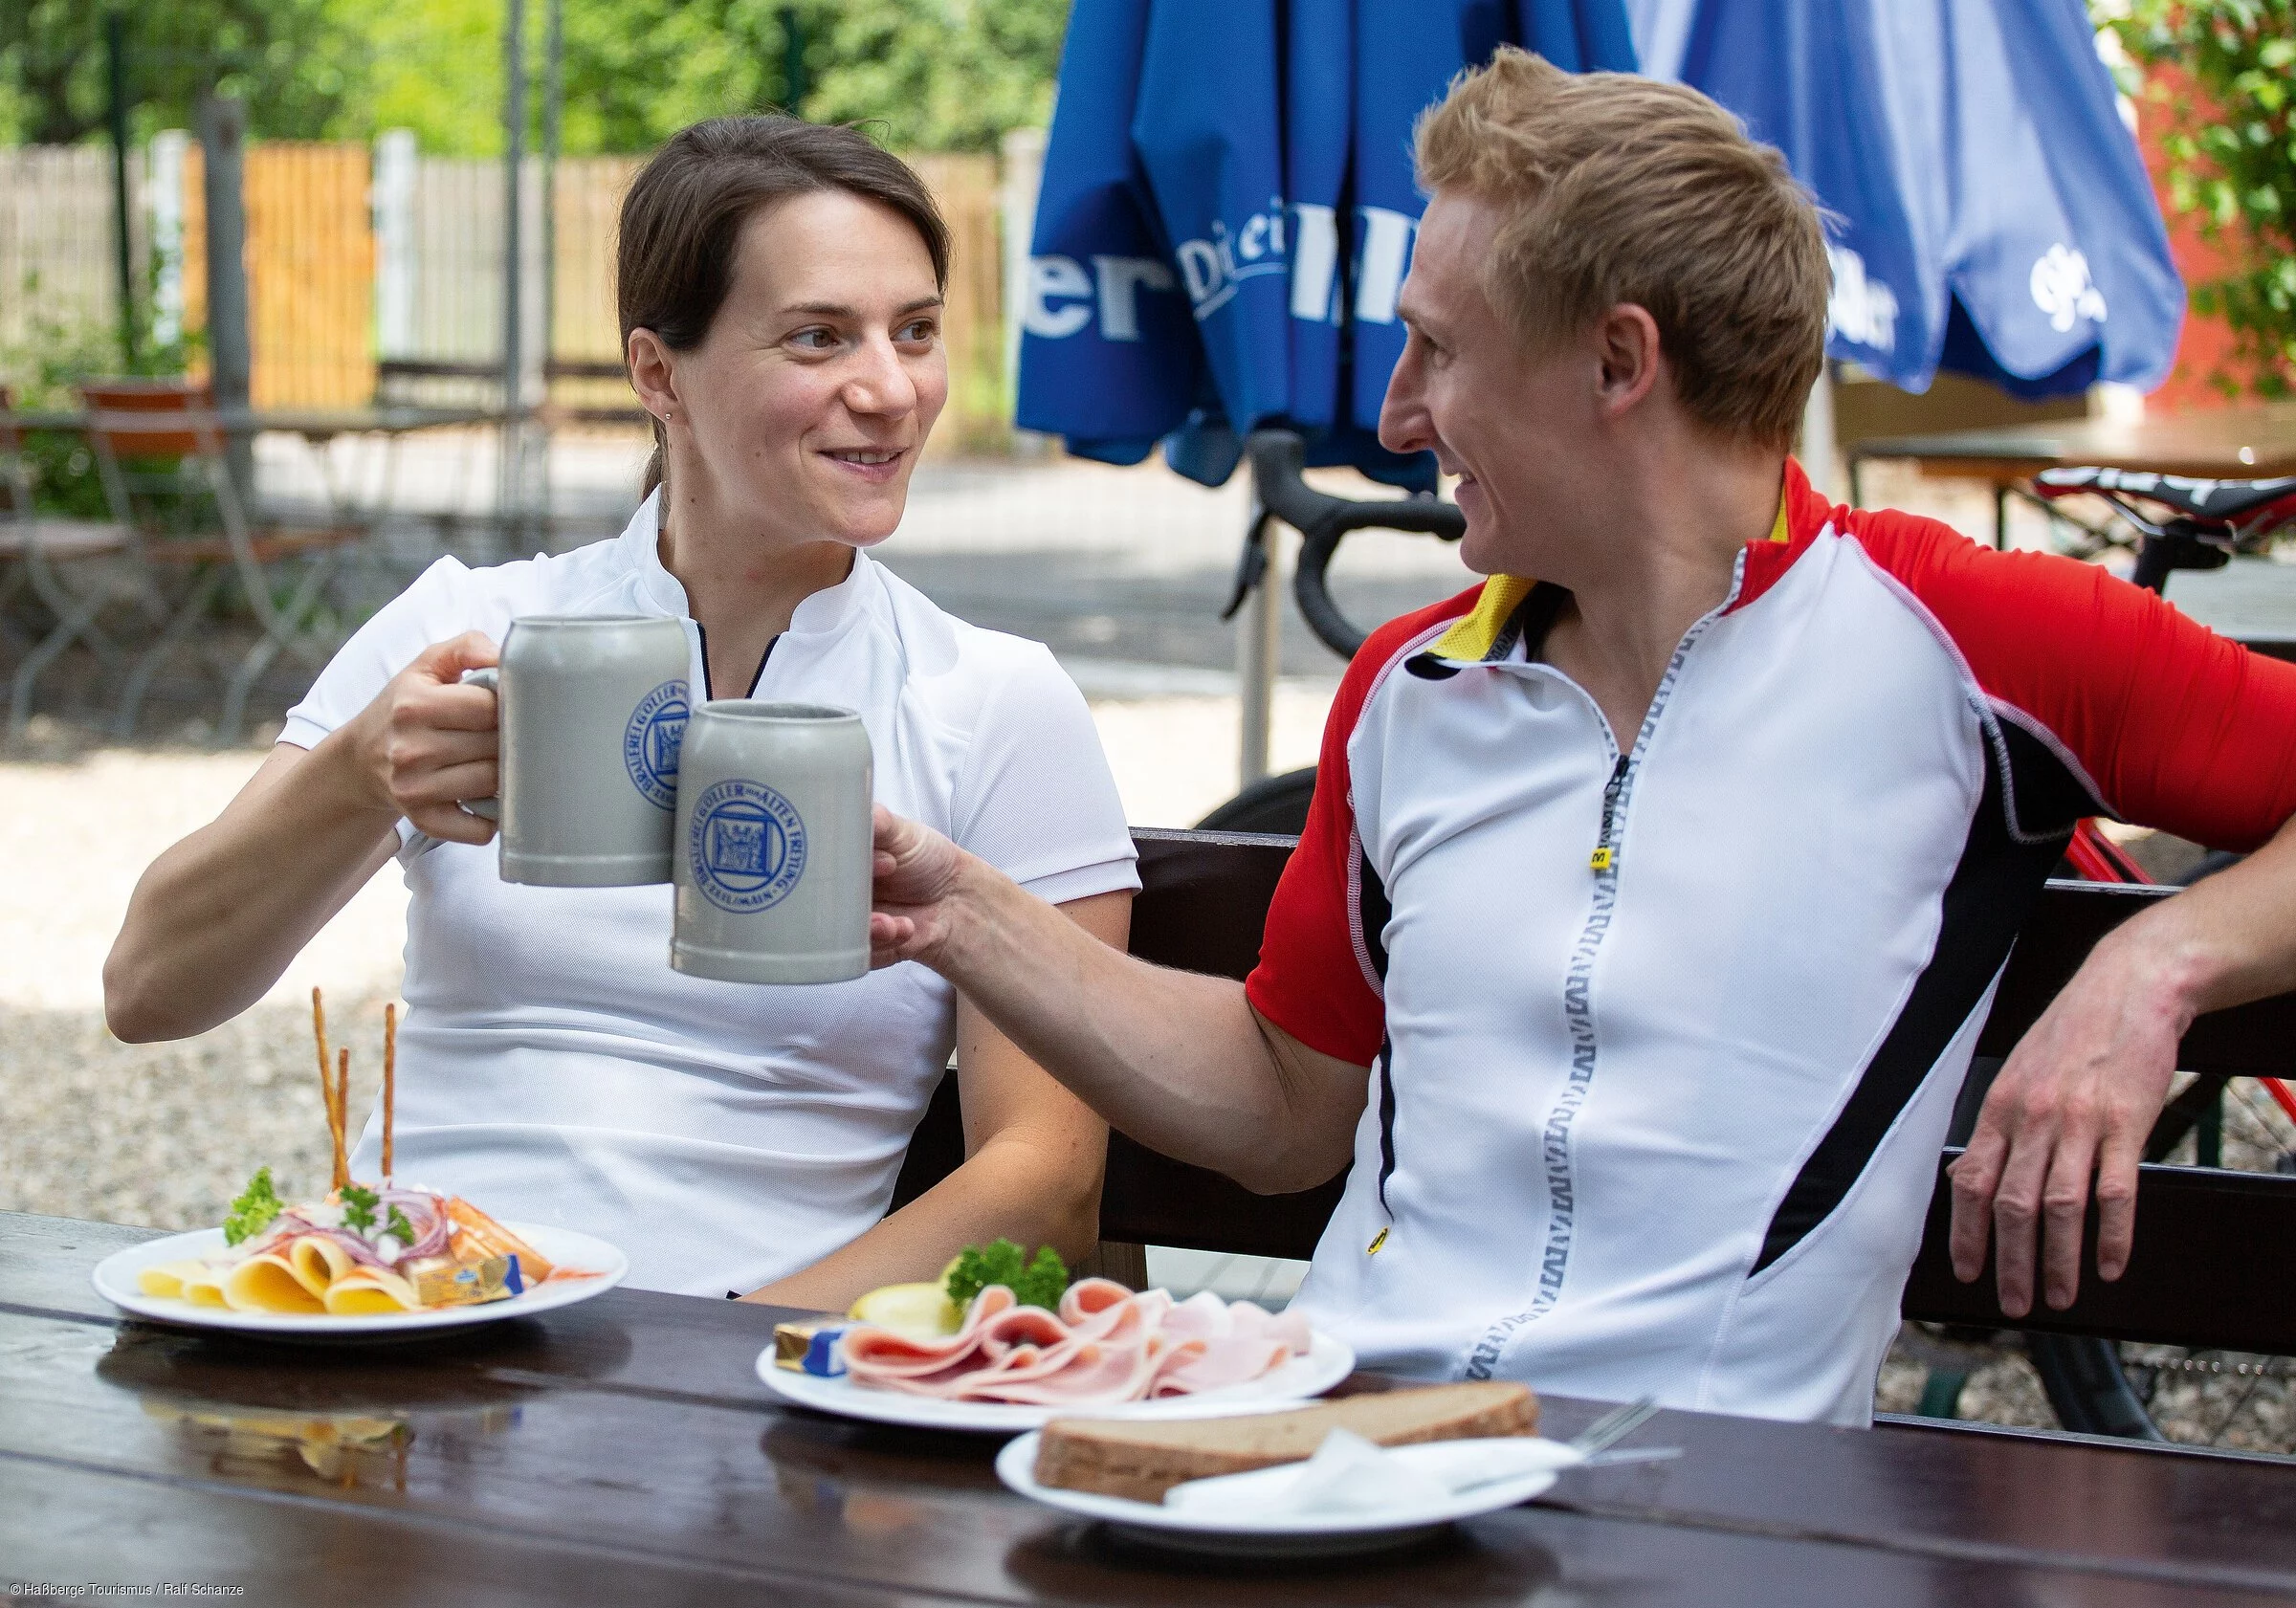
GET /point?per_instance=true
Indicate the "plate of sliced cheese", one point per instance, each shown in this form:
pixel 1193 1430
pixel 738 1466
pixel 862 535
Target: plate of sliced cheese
pixel 1362 1473
pixel 199 1281
pixel 366 1262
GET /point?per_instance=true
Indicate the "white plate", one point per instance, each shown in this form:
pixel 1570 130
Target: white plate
pixel 1318 1536
pixel 1328 1362
pixel 115 1280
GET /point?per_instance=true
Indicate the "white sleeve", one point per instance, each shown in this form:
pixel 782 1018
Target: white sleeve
pixel 1036 799
pixel 443 603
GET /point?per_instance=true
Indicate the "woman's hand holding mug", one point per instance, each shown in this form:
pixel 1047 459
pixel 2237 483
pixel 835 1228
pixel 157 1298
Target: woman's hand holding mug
pixel 428 740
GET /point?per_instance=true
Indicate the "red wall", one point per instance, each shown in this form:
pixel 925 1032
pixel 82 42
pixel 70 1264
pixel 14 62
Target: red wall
pixel 2206 341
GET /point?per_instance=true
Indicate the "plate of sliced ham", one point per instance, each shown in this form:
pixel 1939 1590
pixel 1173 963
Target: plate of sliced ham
pixel 1108 1351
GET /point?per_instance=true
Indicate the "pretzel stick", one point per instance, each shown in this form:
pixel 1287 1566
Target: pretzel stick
pixel 390 1066
pixel 343 1102
pixel 326 1079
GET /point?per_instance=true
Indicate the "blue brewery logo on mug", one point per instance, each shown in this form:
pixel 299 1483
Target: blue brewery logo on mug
pixel 747 845
pixel 651 741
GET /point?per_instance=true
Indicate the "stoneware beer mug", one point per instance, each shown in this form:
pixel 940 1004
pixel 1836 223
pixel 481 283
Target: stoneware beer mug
pixel 774 850
pixel 592 709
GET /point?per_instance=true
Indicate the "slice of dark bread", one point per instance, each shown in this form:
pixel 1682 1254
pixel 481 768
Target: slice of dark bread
pixel 1143 1459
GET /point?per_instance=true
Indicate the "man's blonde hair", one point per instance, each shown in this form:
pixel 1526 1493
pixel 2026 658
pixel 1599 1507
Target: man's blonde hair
pixel 1624 189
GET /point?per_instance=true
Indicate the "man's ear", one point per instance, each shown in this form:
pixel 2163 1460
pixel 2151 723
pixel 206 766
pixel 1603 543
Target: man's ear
pixel 652 374
pixel 1627 347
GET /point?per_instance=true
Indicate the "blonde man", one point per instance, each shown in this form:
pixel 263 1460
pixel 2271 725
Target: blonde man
pixel 1647 911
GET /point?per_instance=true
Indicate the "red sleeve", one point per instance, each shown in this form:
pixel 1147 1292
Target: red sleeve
pixel 1312 980
pixel 2172 726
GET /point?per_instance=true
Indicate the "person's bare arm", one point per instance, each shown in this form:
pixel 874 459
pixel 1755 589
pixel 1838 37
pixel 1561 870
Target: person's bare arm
pixel 1033 1159
pixel 1181 1061
pixel 2080 1092
pixel 216 918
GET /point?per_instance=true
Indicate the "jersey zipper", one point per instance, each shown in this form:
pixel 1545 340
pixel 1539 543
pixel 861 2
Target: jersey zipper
pixel 1605 854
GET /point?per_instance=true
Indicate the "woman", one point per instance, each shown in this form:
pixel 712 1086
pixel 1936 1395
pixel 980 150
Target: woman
pixel 781 294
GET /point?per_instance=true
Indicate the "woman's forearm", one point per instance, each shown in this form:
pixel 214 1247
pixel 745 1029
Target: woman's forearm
pixel 1004 1189
pixel 216 918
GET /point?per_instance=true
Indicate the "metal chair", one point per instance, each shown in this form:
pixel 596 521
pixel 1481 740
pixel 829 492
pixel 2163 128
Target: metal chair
pixel 164 455
pixel 40 551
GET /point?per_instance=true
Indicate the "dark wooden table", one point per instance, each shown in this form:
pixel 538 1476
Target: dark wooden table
pixel 624 1451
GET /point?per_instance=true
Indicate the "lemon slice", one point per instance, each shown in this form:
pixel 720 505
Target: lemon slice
pixel 922 1311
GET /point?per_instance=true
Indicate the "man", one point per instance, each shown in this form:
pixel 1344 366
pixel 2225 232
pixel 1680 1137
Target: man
pixel 1647 911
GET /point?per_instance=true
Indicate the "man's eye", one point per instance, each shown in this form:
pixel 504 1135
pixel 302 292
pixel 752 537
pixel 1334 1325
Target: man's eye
pixel 917 329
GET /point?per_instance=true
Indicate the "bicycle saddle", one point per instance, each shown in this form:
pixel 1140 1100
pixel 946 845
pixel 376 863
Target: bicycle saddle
pixel 2202 500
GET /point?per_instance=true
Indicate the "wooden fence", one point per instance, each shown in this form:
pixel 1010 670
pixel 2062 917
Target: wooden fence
pixel 58 272
pixel 312 270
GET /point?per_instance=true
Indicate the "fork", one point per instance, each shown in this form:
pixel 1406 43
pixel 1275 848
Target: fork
pixel 1614 1426
pixel 1596 1440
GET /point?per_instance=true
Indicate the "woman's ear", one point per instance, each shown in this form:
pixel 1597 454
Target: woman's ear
pixel 652 374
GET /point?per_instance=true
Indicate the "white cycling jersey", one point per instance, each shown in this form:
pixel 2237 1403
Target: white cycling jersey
pixel 1664 1042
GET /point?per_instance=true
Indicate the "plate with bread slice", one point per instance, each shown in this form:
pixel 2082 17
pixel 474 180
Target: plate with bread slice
pixel 1361 1473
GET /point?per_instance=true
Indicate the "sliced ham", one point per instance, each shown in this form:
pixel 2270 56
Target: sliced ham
pixel 1105 1345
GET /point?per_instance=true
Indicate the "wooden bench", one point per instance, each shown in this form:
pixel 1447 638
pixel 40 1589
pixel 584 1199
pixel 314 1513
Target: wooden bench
pixel 2205 1270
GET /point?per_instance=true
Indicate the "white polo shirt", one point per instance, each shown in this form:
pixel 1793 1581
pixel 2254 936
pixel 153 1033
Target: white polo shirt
pixel 555 1070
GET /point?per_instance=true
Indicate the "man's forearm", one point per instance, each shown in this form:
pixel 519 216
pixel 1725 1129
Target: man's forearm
pixel 2228 939
pixel 1175 1059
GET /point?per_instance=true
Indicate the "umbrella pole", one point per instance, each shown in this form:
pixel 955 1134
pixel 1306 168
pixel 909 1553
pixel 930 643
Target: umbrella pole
pixel 1258 647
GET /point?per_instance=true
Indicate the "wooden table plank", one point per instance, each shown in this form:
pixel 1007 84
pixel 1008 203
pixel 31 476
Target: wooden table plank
pixel 154 1403
pixel 61 1524
pixel 633 1421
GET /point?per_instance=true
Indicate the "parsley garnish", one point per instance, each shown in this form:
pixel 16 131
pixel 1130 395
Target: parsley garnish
pixel 252 1213
pixel 1038 1283
pixel 397 1225
pixel 359 1207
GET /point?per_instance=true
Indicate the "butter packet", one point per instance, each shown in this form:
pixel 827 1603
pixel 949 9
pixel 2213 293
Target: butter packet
pixel 441 1281
pixel 809 1345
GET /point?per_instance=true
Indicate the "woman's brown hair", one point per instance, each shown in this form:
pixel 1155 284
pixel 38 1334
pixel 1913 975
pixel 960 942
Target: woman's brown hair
pixel 685 209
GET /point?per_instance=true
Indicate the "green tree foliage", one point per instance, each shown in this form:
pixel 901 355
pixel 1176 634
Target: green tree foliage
pixel 2232 160
pixel 940 75
pixel 294 62
pixel 934 75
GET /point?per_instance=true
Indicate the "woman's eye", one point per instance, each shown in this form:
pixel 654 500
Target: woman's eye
pixel 815 340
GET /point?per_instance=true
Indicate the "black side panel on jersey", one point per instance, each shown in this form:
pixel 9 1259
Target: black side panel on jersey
pixel 1992 889
pixel 2047 799
pixel 1373 910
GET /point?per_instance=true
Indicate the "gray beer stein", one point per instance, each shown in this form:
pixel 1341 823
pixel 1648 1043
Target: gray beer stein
pixel 591 711
pixel 774 844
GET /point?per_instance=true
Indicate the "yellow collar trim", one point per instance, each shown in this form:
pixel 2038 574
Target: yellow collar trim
pixel 1473 634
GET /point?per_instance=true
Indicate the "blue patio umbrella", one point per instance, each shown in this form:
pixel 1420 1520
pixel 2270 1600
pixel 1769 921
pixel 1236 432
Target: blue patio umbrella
pixel 1992 214
pixel 1227 210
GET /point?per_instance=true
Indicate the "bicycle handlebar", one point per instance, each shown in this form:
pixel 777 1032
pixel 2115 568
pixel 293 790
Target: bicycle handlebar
pixel 1278 460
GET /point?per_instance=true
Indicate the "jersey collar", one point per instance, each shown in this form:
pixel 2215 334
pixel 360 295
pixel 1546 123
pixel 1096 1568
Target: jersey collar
pixel 1491 631
pixel 823 612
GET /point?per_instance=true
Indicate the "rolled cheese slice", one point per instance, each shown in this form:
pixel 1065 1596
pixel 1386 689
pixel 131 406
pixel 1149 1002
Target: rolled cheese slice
pixel 318 1261
pixel 168 1279
pixel 368 1291
pixel 268 1283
